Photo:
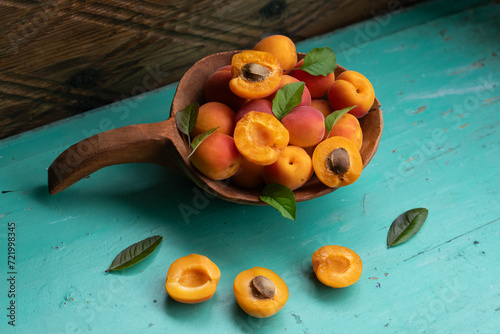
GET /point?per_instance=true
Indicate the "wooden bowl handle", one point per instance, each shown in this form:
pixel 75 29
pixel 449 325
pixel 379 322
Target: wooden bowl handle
pixel 146 143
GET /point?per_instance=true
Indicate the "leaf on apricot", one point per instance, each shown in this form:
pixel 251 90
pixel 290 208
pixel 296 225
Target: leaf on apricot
pixel 135 253
pixel 287 98
pixel 199 139
pixel 334 117
pixel 320 61
pixel 281 198
pixel 405 226
pixel 185 119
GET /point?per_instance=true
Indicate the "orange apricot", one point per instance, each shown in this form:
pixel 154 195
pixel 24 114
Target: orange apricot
pixel 337 162
pixel 255 74
pixel 249 176
pixel 322 105
pixel 282 47
pixel 217 157
pixel 348 126
pixel 292 169
pixel 192 279
pixel 212 115
pixel 260 137
pixel 352 88
pixel 260 292
pixel 337 266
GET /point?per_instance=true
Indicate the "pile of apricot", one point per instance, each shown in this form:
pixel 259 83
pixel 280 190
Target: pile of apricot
pixel 252 147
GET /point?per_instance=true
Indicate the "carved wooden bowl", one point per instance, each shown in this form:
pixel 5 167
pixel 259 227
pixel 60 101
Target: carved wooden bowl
pixel 161 143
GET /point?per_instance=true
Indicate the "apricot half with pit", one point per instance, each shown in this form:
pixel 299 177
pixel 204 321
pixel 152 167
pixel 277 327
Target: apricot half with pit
pixel 255 74
pixel 260 292
pixel 337 162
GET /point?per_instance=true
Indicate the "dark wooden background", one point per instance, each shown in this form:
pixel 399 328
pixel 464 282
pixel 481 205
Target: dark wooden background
pixel 59 58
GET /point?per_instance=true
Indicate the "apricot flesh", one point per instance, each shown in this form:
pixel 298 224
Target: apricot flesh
pixel 192 279
pixel 337 266
pixel 337 162
pixel 260 292
pixel 260 137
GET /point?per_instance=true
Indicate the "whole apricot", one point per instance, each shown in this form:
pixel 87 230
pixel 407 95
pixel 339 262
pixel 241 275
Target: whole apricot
pixel 212 115
pixel 255 74
pixel 282 47
pixel 292 169
pixel 192 279
pixel 348 126
pixel 322 105
pixel 217 89
pixel 249 176
pixel 260 292
pixel 260 137
pixel 337 266
pixel 337 162
pixel 306 126
pixel 285 80
pixel 217 157
pixel 318 85
pixel 352 88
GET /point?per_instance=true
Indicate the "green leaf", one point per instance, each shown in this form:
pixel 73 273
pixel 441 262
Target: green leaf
pixel 135 253
pixel 320 61
pixel 185 119
pixel 334 117
pixel 287 98
pixel 199 139
pixel 405 226
pixel 281 198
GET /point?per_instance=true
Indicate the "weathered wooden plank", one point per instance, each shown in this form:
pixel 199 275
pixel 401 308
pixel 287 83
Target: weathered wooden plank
pixel 60 58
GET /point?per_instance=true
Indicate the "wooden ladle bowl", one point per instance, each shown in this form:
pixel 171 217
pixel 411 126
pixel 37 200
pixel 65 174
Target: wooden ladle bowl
pixel 161 143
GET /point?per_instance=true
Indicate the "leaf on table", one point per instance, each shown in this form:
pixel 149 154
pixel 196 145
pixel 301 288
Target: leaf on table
pixel 281 198
pixel 199 139
pixel 320 61
pixel 287 98
pixel 185 119
pixel 405 226
pixel 135 253
pixel 334 117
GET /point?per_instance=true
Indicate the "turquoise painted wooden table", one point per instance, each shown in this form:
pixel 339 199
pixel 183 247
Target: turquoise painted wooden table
pixel 436 70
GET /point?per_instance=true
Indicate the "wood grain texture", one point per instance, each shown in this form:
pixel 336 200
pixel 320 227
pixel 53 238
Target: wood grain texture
pixel 59 58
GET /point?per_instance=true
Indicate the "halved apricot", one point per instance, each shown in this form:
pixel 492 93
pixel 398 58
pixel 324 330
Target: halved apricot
pixel 337 266
pixel 260 292
pixel 192 279
pixel 337 162
pixel 256 74
pixel 260 137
